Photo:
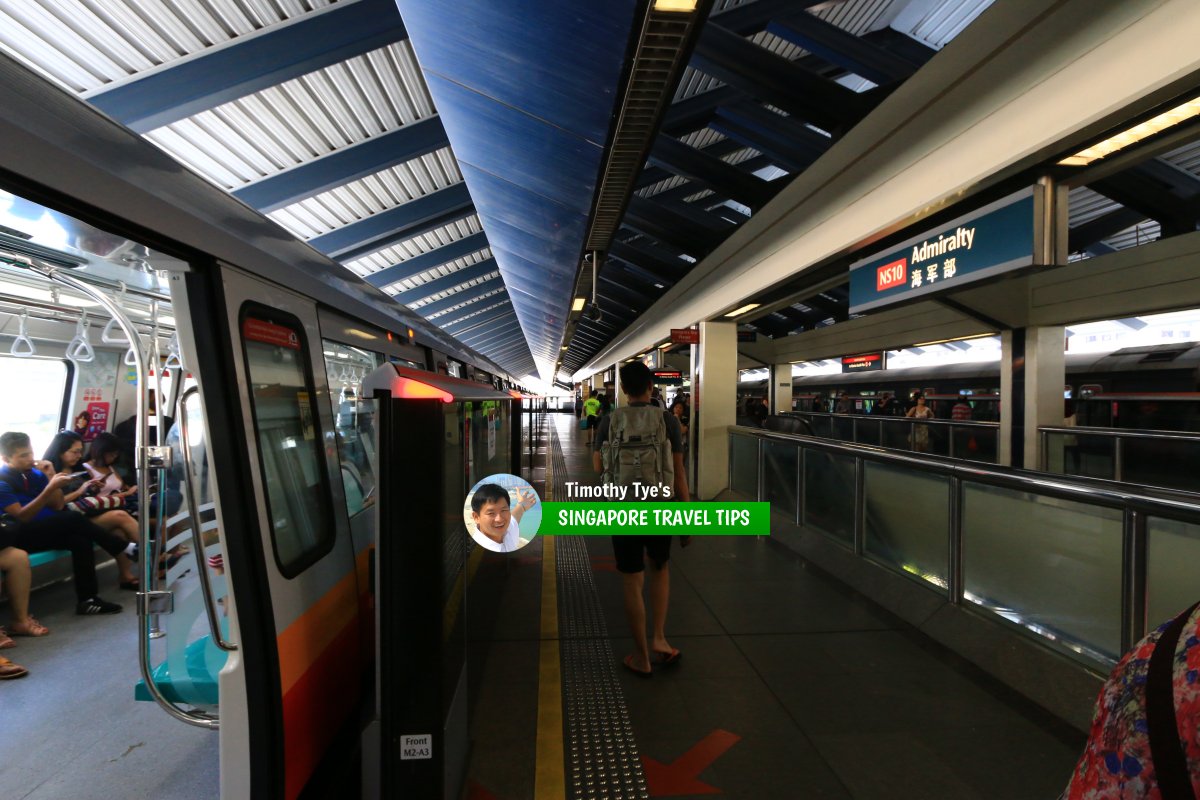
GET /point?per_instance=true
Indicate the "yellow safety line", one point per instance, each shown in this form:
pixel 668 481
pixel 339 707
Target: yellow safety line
pixel 549 776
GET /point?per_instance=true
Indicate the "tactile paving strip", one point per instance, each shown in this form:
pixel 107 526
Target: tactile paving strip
pixel 602 756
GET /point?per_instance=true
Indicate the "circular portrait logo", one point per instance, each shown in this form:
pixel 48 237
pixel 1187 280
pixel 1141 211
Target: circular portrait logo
pixel 502 513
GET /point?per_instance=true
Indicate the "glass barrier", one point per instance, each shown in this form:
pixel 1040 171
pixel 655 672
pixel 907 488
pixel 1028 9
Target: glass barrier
pixel 1169 463
pixel 907 521
pixel 781 476
pixel 1047 556
pixel 967 441
pixel 1172 552
pixel 743 461
pixel 829 494
pixel 1051 565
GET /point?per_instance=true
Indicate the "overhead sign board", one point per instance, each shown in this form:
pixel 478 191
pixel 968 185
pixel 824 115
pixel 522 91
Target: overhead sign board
pixel 995 239
pixel 668 377
pixel 862 363
pixel 685 336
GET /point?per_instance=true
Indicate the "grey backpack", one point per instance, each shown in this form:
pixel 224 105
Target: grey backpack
pixel 637 448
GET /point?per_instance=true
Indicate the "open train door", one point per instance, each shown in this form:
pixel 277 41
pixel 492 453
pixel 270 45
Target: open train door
pixel 437 436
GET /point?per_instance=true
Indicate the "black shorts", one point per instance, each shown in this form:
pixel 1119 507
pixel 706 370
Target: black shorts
pixel 593 421
pixel 631 552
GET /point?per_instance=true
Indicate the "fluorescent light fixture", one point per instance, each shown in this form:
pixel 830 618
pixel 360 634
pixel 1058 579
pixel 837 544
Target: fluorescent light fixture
pixel 665 345
pixel 675 5
pixel 566 347
pixel 1133 135
pixel 739 311
pixel 579 304
pixel 956 339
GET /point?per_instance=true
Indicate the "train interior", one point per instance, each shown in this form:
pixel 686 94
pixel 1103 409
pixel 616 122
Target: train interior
pixel 68 367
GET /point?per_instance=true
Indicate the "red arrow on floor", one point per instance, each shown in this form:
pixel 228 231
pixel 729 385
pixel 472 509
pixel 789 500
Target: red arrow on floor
pixel 680 777
pixel 477 792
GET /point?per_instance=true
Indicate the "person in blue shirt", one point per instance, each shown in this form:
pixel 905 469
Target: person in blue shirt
pixel 35 504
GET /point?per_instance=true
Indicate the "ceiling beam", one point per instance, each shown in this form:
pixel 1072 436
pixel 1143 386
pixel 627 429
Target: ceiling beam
pixel 414 266
pixel 773 79
pixel 460 326
pixel 250 63
pixel 720 176
pixel 790 144
pixel 345 165
pixel 650 219
pixel 831 43
pixel 1084 237
pixel 473 272
pixel 472 294
pixel 406 221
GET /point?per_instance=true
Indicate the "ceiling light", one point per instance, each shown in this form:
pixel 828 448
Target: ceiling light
pixel 743 309
pixel 566 347
pixel 675 5
pixel 956 339
pixel 665 345
pixel 1135 134
pixel 579 304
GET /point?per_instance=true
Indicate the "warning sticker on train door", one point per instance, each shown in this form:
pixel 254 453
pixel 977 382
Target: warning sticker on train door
pixel 491 435
pixel 414 747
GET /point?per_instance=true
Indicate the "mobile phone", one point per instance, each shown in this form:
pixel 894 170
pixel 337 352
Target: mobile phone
pixel 80 474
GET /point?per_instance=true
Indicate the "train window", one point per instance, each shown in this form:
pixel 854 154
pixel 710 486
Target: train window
pixel 37 408
pixel 289 437
pixel 353 420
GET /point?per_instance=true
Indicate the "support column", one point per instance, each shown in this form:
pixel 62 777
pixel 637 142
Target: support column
pixel 613 388
pixel 715 396
pixel 780 396
pixel 1032 375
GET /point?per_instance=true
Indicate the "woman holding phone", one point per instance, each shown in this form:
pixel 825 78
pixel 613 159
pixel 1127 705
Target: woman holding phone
pixel 65 454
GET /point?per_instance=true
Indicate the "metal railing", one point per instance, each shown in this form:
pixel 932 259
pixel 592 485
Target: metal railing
pixel 1084 569
pixel 1152 458
pixel 967 440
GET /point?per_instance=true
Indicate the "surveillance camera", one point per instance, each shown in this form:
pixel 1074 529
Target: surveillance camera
pixel 592 311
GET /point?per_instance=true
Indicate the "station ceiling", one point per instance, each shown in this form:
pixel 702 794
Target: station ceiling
pixel 449 153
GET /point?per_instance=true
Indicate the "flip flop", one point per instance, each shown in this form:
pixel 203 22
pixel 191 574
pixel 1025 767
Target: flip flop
pixel 667 659
pixel 628 662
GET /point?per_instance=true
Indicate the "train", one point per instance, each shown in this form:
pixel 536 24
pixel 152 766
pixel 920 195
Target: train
pixel 132 289
pixel 1154 387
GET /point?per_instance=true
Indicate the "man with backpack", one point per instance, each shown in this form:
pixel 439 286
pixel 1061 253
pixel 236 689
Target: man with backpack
pixel 641 443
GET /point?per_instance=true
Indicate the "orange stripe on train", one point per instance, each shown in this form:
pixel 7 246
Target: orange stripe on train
pixel 307 639
pixel 316 706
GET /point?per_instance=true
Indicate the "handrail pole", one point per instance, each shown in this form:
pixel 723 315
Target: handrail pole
pixel 214 624
pixel 199 719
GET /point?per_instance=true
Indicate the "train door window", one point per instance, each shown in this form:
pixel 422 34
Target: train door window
pixel 353 420
pixel 35 404
pixel 286 424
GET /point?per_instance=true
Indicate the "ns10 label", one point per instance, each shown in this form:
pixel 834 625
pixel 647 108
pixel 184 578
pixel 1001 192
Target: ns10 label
pixel 892 274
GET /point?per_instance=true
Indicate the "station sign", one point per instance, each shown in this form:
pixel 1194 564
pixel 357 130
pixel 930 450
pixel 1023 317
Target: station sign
pixel 685 336
pixel 993 240
pixel 668 377
pixel 866 362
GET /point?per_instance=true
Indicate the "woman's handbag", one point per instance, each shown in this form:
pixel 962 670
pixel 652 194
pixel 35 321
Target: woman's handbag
pixel 96 505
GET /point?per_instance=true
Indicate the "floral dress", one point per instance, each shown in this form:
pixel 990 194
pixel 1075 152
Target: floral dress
pixel 1116 764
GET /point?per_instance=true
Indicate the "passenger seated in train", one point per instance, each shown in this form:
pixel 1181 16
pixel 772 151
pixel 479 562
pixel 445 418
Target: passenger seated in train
pixel 18 577
pixel 101 461
pixel 496 527
pixel 81 495
pixel 35 503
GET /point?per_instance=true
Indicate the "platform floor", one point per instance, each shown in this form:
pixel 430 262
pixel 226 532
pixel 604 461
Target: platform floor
pixel 790 685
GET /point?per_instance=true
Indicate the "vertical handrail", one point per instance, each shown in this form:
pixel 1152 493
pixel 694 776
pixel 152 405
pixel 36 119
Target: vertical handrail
pixel 957 578
pixel 189 480
pixel 1118 458
pixel 198 718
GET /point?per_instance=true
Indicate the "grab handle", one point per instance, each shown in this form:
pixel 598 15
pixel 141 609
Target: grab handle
pixel 22 346
pixel 79 349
